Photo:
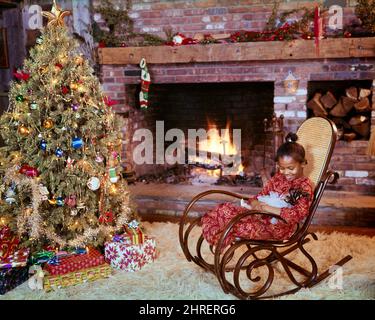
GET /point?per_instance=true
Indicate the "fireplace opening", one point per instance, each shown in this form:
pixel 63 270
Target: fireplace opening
pixel 348 103
pixel 209 106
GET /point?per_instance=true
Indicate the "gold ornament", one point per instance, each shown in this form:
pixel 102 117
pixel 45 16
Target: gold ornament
pixel 74 86
pixel 78 60
pixel 23 130
pixel 48 123
pixel 56 16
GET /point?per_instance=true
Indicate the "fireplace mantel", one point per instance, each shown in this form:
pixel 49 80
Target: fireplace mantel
pixel 246 51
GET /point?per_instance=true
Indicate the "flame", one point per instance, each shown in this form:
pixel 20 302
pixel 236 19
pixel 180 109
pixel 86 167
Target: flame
pixel 218 144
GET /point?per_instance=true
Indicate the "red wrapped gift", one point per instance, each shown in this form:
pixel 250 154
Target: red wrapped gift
pixel 73 263
pixel 8 242
pixel 17 259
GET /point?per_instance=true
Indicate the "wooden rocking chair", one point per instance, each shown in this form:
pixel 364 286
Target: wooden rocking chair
pixel 318 136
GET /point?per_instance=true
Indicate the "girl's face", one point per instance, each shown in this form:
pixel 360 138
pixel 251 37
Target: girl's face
pixel 290 168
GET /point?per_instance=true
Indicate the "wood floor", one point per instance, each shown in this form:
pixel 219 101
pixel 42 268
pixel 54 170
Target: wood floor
pixel 328 229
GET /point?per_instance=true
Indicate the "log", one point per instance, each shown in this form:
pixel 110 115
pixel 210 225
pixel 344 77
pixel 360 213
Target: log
pixel 352 92
pixel 360 124
pixel 328 100
pixel 340 122
pixel 363 105
pixel 315 105
pixel 363 93
pixel 340 110
pixel 348 103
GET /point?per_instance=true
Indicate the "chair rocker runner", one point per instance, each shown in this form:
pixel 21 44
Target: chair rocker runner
pixel 318 136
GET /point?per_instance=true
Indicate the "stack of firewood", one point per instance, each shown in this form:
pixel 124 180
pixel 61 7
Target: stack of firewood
pixel 351 113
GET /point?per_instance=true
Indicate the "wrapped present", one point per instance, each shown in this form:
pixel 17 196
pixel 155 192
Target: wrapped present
pixel 75 262
pixel 8 242
pixel 134 232
pixel 12 277
pixel 130 257
pixel 52 282
pixel 17 259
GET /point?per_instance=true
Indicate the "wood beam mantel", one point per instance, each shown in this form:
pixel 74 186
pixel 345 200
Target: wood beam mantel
pixel 245 51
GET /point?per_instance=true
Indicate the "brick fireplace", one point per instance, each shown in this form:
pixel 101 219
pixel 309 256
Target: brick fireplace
pixel 185 78
pixel 265 78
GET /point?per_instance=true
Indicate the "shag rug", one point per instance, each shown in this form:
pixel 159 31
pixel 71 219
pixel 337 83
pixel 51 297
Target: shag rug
pixel 172 277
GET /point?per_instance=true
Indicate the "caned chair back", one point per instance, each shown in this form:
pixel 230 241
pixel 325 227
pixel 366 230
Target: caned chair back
pixel 318 136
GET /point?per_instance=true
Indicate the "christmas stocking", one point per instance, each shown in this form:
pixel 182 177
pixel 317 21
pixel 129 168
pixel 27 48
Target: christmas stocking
pixel 145 84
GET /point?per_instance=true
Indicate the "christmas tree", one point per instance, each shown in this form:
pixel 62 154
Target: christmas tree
pixel 61 179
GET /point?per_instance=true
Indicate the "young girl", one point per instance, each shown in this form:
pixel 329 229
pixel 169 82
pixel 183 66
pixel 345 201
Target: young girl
pixel 287 194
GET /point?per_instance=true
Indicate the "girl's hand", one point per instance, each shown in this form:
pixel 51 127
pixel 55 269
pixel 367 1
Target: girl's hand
pixel 270 209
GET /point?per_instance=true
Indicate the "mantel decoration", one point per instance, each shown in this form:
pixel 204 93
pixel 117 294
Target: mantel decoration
pixel 284 26
pixel 291 83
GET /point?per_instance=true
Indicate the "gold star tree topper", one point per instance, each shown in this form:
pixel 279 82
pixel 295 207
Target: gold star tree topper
pixel 56 16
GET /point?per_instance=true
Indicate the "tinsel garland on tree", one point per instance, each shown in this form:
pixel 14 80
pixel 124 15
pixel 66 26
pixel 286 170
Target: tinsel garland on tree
pixel 61 181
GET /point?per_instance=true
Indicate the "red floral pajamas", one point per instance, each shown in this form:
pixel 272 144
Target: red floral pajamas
pixel 259 227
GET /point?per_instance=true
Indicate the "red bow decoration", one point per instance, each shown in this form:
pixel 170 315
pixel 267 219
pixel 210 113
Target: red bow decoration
pixel 106 217
pixel 109 102
pixel 20 75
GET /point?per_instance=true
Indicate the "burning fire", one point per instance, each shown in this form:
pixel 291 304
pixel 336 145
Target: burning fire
pixel 216 144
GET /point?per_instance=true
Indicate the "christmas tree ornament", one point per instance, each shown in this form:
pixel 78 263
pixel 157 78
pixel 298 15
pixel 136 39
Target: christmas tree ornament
pixel 23 130
pixel 64 89
pixel 52 201
pixel 58 66
pixel 39 40
pixel 48 123
pixel 40 136
pixel 56 16
pixel 43 145
pixel 69 163
pixel 99 158
pixel 71 201
pixel 20 98
pixel 77 143
pixel 93 183
pixel 78 115
pixel 73 86
pixel 78 60
pixel 74 212
pixel 29 171
pixel 60 201
pixel 20 75
pixel 112 175
pixel 107 217
pixel 145 84
pixel 75 106
pixel 43 191
pixel 10 196
pixel 33 105
pixel 59 153
pixel 109 102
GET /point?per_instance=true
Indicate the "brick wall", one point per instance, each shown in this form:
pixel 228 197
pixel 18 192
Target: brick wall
pixel 210 16
pixel 121 82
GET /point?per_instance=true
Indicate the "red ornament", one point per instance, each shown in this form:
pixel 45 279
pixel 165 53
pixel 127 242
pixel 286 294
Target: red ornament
pixel 106 217
pixel 101 44
pixel 29 171
pixel 64 89
pixel 59 65
pixel 347 34
pixel 109 102
pixel 20 75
